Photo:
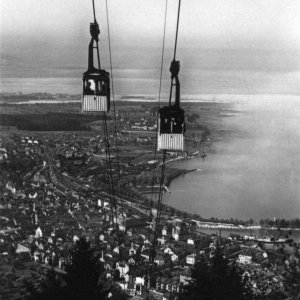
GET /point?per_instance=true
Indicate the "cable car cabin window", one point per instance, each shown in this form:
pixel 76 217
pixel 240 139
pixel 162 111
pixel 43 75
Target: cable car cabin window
pixel 101 87
pixel 172 124
pixel 89 87
pixel 95 87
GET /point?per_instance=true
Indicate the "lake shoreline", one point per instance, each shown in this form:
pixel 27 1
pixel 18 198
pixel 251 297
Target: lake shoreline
pixel 240 141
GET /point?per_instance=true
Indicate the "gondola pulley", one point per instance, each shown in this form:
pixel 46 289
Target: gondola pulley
pixel 96 81
pixel 171 124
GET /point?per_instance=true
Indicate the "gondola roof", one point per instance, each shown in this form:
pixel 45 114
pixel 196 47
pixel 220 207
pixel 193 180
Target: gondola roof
pixel 96 72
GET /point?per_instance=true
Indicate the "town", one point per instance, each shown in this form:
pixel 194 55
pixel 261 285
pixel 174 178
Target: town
pixel 55 190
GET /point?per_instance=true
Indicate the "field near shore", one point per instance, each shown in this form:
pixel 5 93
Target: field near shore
pixel 209 114
pixel 251 142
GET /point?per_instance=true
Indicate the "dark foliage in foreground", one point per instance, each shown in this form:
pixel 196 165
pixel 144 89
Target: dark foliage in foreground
pixel 216 280
pixel 49 122
pixel 85 279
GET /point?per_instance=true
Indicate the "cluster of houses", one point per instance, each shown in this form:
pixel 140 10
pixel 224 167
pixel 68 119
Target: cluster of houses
pixel 145 122
pixel 40 222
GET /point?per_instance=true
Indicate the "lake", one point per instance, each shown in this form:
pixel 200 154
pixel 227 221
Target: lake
pixel 255 170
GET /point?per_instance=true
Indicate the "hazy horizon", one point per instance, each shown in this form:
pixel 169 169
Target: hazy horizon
pixel 226 47
pixel 41 38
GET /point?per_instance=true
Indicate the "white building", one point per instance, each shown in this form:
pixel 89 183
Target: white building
pixel 38 233
pixel 168 250
pixel 244 259
pixel 190 242
pixel 174 257
pixel 139 283
pixel 123 269
pixel 191 259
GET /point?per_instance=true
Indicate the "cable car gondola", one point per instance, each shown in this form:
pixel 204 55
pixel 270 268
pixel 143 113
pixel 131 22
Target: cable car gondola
pixel 171 128
pixel 96 81
pixel 171 125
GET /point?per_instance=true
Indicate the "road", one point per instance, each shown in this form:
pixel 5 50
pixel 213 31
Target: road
pixel 69 183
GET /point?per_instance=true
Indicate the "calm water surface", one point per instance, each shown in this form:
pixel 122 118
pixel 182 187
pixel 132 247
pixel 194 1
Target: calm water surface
pixel 255 172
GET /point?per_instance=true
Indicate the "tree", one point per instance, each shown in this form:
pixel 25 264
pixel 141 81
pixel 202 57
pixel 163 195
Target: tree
pixel 84 278
pixel 251 221
pixel 118 294
pixel 216 279
pixel 49 288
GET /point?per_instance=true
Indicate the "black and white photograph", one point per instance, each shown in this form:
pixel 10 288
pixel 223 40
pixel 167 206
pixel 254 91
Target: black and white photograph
pixel 150 149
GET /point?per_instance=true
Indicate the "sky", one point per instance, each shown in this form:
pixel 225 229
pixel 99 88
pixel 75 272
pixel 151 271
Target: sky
pixel 264 31
pixel 213 24
pixel 225 47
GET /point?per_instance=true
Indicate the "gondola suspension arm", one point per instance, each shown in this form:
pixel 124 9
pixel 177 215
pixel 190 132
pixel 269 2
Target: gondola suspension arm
pixel 175 66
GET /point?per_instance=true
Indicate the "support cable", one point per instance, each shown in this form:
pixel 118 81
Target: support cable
pixel 107 152
pixel 159 97
pixel 159 203
pixel 97 46
pixel 176 36
pixel 110 175
pixel 114 105
pixel 175 49
pixel 94 11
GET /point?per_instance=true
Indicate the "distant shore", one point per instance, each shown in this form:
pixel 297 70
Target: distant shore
pixel 212 115
pixel 178 175
pixel 24 98
pixel 156 189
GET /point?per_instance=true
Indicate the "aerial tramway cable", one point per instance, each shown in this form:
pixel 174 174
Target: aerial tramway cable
pixel 159 97
pixel 97 41
pixel 112 195
pixel 174 69
pixel 96 98
pixel 175 48
pixel 114 106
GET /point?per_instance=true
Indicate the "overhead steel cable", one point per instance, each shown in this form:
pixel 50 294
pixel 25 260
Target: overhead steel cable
pixel 94 11
pixel 113 101
pixel 159 206
pixel 112 195
pixel 97 41
pixel 108 155
pixel 177 26
pixel 162 177
pixel 159 95
pixel 175 48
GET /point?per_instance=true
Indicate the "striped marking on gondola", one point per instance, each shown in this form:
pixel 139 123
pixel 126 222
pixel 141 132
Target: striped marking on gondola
pixel 170 141
pixel 94 103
